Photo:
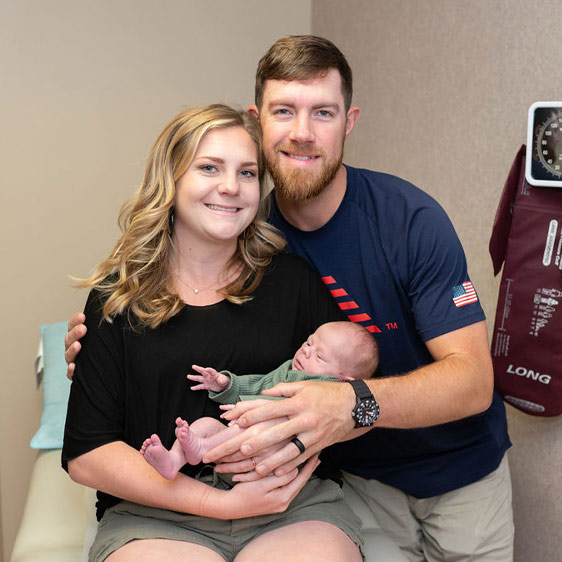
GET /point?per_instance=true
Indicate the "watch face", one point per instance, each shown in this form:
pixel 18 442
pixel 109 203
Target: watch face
pixel 366 413
pixel 544 144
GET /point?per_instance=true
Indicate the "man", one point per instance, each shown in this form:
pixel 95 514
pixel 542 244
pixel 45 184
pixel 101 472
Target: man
pixel 432 469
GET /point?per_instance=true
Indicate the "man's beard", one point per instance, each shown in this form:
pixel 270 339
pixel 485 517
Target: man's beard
pixel 297 185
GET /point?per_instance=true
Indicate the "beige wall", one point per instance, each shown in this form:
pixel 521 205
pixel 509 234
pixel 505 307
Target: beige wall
pixel 85 87
pixel 444 87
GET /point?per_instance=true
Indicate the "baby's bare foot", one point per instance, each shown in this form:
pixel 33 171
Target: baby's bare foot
pixel 191 443
pixel 159 457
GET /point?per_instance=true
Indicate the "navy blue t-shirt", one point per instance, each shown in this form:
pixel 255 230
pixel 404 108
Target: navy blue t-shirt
pixel 393 262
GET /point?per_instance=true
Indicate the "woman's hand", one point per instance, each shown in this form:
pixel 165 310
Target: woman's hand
pixel 76 331
pixel 270 494
pixel 244 470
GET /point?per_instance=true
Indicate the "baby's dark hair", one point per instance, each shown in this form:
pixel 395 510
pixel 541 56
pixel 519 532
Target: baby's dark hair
pixel 362 349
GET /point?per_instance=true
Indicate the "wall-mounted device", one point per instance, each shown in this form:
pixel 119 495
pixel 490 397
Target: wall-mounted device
pixel 544 144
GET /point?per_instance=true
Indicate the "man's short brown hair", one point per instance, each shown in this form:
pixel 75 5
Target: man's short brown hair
pixel 302 57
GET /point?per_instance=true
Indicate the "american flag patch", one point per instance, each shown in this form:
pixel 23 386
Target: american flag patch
pixel 464 294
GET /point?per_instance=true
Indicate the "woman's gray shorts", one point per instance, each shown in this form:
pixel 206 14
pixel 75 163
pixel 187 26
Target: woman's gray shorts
pixel 319 500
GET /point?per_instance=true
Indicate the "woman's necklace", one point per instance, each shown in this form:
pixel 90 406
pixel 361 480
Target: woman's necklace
pixel 196 291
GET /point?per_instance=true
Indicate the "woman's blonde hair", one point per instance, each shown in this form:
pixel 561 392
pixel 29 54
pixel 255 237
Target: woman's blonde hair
pixel 135 279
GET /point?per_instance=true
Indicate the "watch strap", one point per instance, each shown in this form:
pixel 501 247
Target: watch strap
pixel 361 389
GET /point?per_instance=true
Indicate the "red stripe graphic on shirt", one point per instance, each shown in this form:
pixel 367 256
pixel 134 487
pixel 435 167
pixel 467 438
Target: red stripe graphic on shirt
pixel 344 304
pixel 338 293
pixel 348 305
pixel 359 317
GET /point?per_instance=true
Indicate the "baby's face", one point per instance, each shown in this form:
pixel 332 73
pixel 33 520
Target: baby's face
pixel 322 353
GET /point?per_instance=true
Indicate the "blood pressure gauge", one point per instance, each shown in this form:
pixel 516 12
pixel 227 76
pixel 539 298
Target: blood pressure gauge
pixel 544 144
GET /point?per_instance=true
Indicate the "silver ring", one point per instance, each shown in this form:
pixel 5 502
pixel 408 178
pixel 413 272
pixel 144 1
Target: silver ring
pixel 299 444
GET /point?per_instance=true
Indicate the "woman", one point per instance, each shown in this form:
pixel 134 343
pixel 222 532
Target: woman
pixel 195 278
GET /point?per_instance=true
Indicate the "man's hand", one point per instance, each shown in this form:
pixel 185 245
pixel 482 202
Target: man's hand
pixel 209 379
pixel 319 414
pixel 76 331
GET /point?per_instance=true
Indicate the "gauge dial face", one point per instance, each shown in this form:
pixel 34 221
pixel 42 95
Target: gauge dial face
pixel 548 144
pixel 543 163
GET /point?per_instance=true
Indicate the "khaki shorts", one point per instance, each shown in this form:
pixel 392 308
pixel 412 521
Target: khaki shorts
pixel 473 523
pixel 319 500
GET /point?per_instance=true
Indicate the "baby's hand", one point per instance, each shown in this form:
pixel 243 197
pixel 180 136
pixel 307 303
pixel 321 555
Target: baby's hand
pixel 208 379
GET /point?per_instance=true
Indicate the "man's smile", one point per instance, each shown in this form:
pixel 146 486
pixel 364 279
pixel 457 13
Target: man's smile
pixel 299 156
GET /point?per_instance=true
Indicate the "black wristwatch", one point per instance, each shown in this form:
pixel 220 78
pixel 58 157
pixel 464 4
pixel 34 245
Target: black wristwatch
pixel 366 409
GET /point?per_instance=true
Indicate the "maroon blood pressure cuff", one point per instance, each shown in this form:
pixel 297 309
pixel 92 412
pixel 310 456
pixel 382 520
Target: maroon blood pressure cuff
pixel 527 339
